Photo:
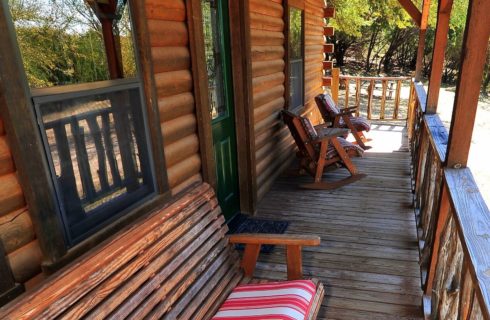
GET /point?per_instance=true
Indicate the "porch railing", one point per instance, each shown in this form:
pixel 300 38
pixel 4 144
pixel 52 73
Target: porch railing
pixel 453 223
pixel 376 98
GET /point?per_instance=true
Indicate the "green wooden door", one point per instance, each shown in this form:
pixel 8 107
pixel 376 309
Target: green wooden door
pixel 218 62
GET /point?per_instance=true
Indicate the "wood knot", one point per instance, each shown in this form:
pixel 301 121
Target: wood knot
pixel 472 190
pixel 485 236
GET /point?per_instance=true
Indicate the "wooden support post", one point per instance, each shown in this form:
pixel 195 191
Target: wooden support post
pixel 358 96
pixel 443 16
pixel 21 125
pixel 397 99
pixel 422 33
pixel 384 83
pixel 370 99
pixel 474 49
pixel 347 93
pixel 241 57
pixel 335 84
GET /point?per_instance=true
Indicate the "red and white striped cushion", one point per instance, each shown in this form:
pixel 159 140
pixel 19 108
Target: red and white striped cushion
pixel 287 300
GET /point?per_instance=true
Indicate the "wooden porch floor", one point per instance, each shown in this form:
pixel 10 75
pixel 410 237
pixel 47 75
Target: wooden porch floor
pixel 368 256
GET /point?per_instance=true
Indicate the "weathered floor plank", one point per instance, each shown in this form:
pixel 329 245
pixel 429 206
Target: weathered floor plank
pixel 368 256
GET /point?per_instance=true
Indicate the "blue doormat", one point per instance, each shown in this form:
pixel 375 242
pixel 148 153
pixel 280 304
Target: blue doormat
pixel 244 224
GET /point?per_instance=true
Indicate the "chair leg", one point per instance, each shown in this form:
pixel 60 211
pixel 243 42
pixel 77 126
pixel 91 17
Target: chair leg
pixel 358 135
pixel 321 160
pixel 323 185
pixel 345 157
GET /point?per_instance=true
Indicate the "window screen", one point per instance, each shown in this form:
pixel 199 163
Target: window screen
pixel 296 59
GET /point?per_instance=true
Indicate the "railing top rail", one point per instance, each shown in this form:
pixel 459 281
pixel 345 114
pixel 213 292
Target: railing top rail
pixel 438 136
pixel 374 78
pixel 473 220
pixel 421 94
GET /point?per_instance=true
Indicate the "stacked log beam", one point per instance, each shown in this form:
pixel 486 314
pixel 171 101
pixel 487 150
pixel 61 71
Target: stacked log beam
pixel 16 229
pixel 268 80
pixel 274 147
pixel 328 48
pixel 169 38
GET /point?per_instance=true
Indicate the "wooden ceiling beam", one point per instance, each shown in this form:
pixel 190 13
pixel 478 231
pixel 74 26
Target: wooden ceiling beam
pixel 412 11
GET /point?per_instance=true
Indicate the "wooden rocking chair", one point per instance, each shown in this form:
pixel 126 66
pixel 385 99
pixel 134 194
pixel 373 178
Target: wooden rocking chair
pixel 317 151
pixel 343 118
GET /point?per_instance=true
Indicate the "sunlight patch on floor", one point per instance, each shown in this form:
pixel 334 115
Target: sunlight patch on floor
pixel 384 138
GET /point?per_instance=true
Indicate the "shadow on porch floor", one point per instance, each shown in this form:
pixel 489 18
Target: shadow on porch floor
pixel 368 259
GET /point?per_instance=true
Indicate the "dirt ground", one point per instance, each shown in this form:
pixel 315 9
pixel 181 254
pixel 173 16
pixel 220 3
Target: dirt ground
pixel 480 151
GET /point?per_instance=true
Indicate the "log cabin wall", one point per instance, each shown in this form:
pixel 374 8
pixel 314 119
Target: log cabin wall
pixel 16 229
pixel 169 39
pixel 314 56
pixel 274 146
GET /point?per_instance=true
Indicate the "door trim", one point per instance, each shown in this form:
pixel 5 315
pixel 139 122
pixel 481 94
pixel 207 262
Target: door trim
pixel 241 60
pixel 242 97
pixel 201 94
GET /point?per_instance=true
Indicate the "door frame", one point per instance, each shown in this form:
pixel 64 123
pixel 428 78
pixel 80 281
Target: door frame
pixel 241 71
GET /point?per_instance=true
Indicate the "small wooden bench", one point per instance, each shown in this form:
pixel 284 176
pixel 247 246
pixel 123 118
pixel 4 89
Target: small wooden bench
pixel 176 263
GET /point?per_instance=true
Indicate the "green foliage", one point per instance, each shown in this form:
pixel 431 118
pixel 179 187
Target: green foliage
pixel 373 33
pixel 354 17
pixel 61 42
pixel 295 33
pixel 371 29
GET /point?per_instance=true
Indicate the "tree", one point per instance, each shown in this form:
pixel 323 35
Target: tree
pixel 61 41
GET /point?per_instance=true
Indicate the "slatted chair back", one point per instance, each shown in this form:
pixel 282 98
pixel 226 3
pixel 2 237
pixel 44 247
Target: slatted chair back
pixel 174 264
pixel 327 107
pixel 343 118
pixel 301 137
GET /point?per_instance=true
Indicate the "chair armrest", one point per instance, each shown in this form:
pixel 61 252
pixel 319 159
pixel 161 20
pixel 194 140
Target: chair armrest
pixel 293 244
pixel 329 133
pixel 275 239
pixel 325 125
pixel 348 110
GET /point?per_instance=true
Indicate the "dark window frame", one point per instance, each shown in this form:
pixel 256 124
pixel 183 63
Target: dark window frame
pixel 287 69
pixel 101 213
pixel 31 162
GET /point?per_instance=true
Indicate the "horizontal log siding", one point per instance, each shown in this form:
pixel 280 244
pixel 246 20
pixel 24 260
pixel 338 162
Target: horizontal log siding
pixel 272 144
pixel 314 41
pixel 274 147
pixel 16 229
pixel 169 39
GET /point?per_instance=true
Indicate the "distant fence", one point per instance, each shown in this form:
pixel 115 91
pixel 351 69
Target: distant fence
pixel 376 98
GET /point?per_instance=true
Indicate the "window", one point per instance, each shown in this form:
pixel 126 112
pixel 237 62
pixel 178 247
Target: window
pixel 80 63
pixel 296 58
